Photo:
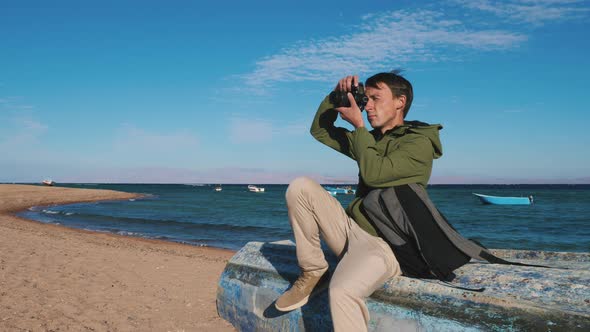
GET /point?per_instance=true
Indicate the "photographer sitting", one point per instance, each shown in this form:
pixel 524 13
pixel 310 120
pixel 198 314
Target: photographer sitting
pixel 393 153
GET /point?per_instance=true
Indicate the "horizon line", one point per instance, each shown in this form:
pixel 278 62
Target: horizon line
pixel 325 183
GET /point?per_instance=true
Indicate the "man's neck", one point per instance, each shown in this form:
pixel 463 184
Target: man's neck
pixel 384 129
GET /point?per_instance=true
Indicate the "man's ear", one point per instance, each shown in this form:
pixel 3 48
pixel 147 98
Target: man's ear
pixel 401 102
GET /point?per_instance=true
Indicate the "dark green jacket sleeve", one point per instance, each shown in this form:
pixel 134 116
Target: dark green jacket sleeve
pixel 323 129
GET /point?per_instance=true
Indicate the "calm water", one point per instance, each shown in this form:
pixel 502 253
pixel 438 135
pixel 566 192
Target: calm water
pixel 559 220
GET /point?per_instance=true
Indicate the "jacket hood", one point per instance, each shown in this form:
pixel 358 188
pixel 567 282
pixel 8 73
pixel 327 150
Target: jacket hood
pixel 424 129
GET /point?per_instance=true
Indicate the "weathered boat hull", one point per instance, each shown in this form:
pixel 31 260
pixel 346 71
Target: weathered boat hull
pixel 516 298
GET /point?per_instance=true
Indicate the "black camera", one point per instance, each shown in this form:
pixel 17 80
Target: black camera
pixel 340 98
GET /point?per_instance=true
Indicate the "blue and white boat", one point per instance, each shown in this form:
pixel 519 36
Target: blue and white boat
pixel 340 191
pixel 505 200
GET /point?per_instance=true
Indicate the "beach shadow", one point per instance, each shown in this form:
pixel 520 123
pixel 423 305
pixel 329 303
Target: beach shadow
pixel 315 315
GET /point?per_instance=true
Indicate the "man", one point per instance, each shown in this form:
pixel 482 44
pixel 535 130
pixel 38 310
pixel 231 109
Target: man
pixel 394 153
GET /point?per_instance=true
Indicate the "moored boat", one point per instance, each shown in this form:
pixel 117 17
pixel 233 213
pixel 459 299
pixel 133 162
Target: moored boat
pixel 341 190
pixel 48 182
pixel 255 189
pixel 504 200
pixel 331 192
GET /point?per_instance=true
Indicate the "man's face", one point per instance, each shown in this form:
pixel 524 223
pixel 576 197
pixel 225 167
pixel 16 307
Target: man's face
pixel 383 107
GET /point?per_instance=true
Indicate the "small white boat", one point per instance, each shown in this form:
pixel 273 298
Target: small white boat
pixel 48 182
pixel 218 188
pixel 255 189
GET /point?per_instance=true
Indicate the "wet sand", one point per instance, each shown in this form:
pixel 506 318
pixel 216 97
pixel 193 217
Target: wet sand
pixel 54 278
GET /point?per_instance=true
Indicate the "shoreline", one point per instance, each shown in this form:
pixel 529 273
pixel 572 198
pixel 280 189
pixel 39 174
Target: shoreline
pixel 54 277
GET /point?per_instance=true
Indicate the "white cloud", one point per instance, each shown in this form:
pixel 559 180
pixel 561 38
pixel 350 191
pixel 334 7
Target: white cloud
pixel 14 104
pixel 536 12
pixel 297 128
pixel 135 142
pixel 25 133
pixel 32 125
pixel 242 130
pixel 383 41
pixel 249 130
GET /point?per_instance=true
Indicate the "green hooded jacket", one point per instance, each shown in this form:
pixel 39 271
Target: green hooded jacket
pixel 402 155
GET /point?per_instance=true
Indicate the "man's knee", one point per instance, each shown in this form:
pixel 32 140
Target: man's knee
pixel 298 186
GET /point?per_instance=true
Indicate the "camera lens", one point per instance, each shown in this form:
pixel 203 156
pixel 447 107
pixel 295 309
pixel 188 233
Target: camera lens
pixel 340 98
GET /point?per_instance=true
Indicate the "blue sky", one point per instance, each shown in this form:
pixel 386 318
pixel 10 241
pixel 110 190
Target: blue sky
pixel 195 91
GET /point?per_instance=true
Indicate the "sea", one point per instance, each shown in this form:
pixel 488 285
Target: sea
pixel 196 214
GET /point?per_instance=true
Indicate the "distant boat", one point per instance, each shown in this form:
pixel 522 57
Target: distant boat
pixel 504 200
pixel 331 192
pixel 218 188
pixel 48 182
pixel 341 190
pixel 255 189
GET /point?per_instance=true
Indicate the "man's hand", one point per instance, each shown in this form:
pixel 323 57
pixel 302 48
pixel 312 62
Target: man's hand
pixel 346 83
pixel 353 113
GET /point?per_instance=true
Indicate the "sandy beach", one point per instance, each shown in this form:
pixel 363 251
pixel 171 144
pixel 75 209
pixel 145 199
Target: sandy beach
pixel 54 278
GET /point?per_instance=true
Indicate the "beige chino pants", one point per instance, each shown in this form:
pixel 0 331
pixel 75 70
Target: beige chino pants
pixel 365 261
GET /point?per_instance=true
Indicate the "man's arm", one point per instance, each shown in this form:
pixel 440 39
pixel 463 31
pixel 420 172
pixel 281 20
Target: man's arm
pixel 323 129
pixel 410 162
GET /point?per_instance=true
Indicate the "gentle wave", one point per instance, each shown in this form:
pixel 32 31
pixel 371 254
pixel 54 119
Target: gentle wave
pixel 195 242
pixel 163 223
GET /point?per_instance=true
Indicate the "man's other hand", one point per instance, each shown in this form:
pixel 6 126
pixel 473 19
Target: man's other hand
pixel 346 83
pixel 351 114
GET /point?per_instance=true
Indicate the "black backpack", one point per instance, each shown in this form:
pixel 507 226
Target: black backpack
pixel 423 241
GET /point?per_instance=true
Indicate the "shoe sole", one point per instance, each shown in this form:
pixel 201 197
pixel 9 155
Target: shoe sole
pixel 293 306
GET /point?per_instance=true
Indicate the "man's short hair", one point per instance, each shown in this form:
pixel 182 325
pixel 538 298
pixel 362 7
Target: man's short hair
pixel 396 83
